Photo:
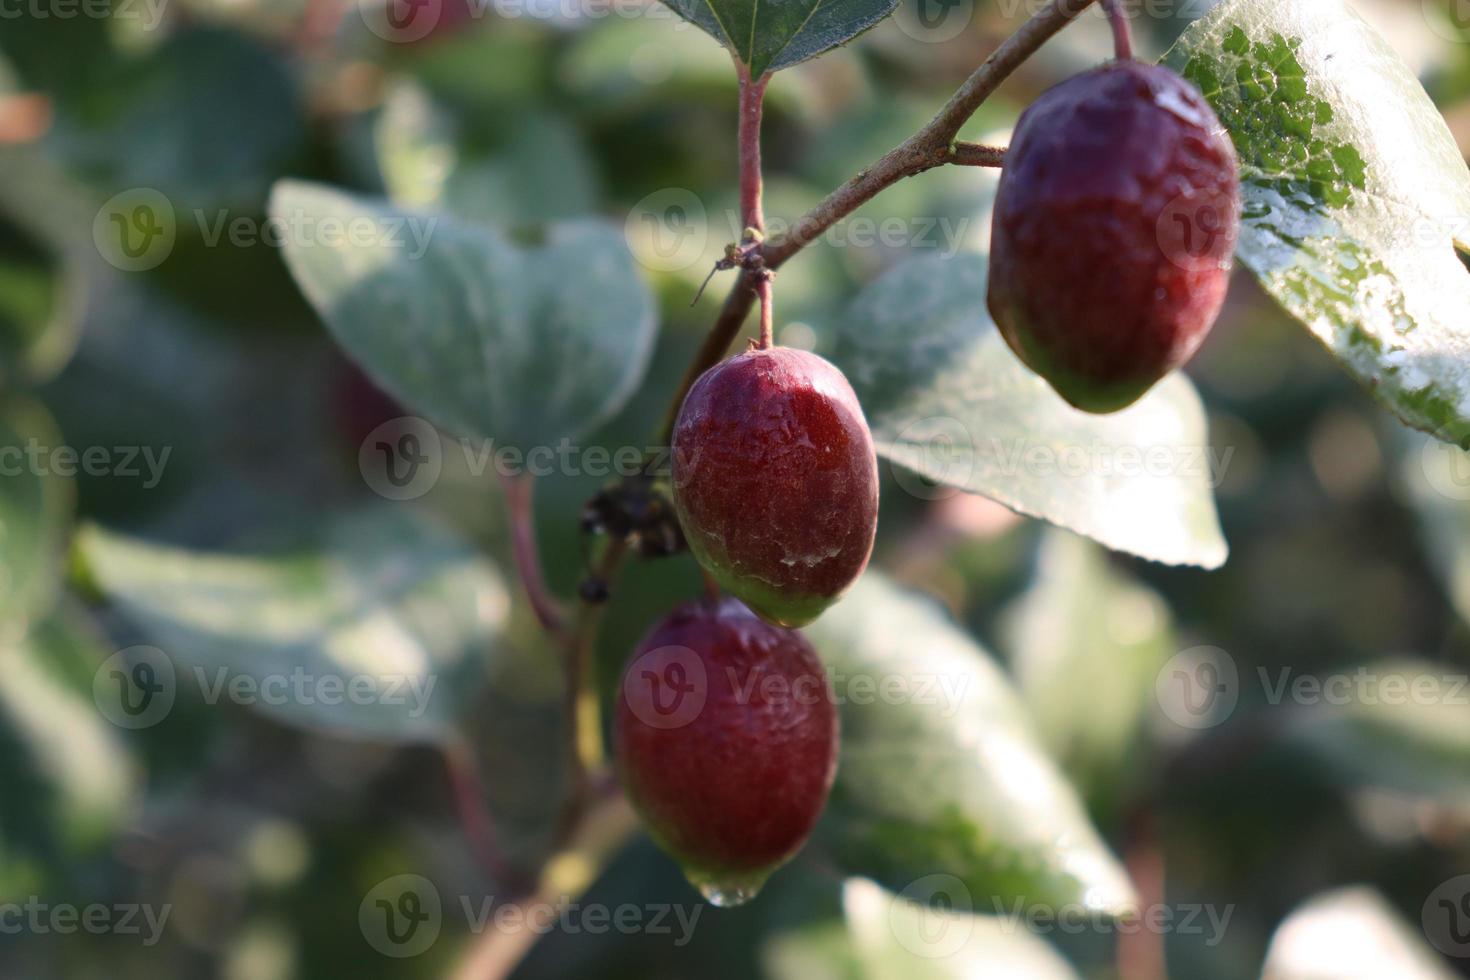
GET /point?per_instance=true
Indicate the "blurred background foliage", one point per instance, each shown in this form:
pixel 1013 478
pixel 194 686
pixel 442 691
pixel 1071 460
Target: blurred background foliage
pixel 1316 824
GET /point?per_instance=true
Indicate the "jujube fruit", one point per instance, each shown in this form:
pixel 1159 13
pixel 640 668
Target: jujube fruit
pixel 1115 223
pixel 726 741
pixel 776 482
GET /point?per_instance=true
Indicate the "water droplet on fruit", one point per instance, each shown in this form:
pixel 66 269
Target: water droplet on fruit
pixel 727 891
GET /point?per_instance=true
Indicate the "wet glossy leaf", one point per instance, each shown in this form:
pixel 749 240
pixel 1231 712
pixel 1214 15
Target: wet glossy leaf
pixel 768 35
pixel 379 600
pixel 948 400
pixel 1356 196
pixel 523 346
pixel 941 773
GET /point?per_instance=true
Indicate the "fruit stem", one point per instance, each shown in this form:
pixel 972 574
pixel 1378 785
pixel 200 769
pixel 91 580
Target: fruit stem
pixel 752 98
pixel 763 292
pixel 1122 29
pixel 518 505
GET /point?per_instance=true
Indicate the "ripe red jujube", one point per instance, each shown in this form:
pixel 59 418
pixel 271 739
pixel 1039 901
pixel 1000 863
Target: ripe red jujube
pixel 776 482
pixel 726 738
pixel 1115 223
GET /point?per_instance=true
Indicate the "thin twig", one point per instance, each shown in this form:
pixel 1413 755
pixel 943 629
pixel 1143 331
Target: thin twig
pixel 518 505
pixel 977 155
pixel 498 951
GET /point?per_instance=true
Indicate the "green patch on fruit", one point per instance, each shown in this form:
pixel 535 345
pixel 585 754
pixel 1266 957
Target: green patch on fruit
pixel 1356 198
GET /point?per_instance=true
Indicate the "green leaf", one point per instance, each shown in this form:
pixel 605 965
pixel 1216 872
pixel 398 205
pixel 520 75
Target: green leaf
pixel 379 598
pixel 526 347
pixel 1350 932
pixel 35 514
pixel 1397 724
pixel 768 35
pixel 532 169
pixel 940 772
pixel 66 775
pixel 206 118
pixel 1085 645
pixel 948 400
pixel 1356 196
